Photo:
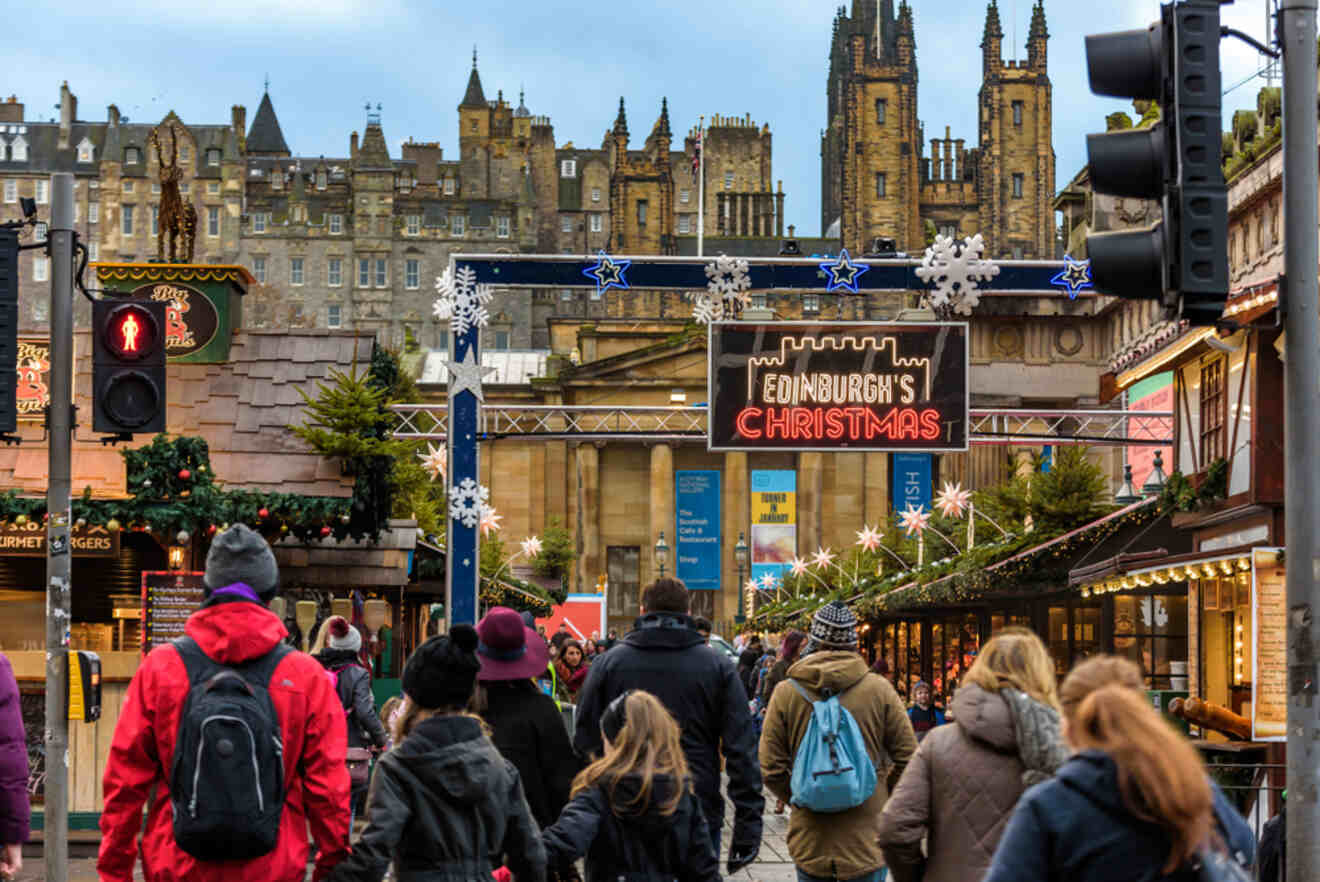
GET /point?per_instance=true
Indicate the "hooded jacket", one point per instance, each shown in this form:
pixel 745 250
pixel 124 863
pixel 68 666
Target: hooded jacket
pixel 958 791
pixel 15 810
pixel 230 631
pixel 1075 827
pixel 666 657
pixel 354 691
pixel 618 843
pixel 444 806
pixel 838 845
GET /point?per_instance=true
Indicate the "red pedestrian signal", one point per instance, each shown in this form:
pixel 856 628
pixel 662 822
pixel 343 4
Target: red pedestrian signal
pixel 131 332
pixel 128 367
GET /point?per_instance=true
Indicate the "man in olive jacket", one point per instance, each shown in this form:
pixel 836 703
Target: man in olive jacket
pixel 838 846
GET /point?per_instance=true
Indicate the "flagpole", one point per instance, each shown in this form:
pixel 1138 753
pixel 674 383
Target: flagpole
pixel 701 186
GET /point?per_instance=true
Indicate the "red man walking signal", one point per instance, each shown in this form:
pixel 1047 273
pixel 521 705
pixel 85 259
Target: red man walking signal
pixel 128 366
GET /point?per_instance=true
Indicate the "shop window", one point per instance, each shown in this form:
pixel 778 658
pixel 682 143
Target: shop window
pixel 1152 631
pixel 1214 417
pixel 624 567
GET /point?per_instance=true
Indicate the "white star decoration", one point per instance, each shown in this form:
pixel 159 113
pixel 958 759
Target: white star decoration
pixel 769 582
pixel 955 269
pixel 822 558
pixel 466 374
pixel 798 567
pixel 435 461
pixel 953 500
pixel 490 520
pixel 914 520
pixel 531 546
pixel 869 538
pixel 752 586
pixel 462 302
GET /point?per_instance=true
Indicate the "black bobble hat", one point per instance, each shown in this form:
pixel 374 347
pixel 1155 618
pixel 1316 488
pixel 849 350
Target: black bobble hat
pixel 442 673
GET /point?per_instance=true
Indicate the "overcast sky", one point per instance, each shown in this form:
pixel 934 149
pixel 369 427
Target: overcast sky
pixel 326 58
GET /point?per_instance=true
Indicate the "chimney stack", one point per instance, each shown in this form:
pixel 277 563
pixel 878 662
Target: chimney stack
pixel 353 147
pixel 112 116
pixel 11 111
pixel 68 113
pixel 238 121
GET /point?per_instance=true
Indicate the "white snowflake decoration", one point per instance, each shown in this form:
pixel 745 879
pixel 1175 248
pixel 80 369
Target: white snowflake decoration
pixel 468 502
pixel 462 302
pixel 955 269
pixel 435 461
pixel 726 292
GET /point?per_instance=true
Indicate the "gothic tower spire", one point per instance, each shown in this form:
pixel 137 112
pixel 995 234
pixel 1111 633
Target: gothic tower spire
pixel 1038 39
pixel 992 42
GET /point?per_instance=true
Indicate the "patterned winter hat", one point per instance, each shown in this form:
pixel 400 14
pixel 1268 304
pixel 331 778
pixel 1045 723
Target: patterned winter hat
pixel 833 627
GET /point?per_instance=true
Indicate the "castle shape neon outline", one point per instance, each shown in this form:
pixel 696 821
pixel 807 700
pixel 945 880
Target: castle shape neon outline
pixel 793 346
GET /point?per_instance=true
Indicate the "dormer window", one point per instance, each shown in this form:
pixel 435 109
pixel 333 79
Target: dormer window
pixel 213 157
pixel 86 152
pixel 568 168
pixel 322 179
pixel 18 149
pixel 132 156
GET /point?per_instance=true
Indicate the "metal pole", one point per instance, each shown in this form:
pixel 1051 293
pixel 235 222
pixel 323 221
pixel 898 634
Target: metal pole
pixel 55 846
pixel 701 186
pixel 1301 305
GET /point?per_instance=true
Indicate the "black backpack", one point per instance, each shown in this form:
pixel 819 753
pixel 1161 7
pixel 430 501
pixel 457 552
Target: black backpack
pixel 227 781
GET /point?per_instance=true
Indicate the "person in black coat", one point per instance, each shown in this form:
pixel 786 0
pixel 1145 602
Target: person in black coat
pixel 666 657
pixel 634 815
pixel 353 686
pixel 526 726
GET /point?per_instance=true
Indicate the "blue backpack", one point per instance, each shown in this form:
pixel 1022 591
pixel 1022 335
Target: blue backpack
pixel 832 771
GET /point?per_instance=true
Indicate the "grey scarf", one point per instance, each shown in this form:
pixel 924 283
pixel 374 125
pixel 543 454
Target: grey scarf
pixel 1039 736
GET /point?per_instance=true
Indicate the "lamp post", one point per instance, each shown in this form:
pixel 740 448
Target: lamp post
pixel 740 558
pixel 1127 494
pixel 661 554
pixel 1154 485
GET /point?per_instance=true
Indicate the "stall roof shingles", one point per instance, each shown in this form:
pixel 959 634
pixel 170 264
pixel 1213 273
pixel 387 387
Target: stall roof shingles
pixel 242 408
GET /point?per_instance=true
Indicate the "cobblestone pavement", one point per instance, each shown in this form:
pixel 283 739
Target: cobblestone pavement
pixel 773 864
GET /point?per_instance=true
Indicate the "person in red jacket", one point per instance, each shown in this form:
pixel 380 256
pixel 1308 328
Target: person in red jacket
pixel 233 626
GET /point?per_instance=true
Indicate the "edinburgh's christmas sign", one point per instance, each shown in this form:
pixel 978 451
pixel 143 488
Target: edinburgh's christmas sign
pixel 838 386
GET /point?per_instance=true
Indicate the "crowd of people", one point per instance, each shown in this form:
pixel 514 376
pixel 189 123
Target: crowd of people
pixel 250 759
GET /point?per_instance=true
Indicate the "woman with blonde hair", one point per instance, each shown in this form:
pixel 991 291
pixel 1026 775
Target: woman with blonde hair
pixel 1133 803
pixel 633 813
pixel 960 787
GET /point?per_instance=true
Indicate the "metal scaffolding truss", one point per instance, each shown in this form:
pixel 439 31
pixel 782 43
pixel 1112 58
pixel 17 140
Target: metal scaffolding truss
pixel 429 422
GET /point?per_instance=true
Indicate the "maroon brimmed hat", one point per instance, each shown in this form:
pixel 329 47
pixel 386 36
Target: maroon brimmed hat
pixel 509 650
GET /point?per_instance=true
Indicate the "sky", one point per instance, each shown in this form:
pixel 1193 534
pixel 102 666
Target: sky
pixel 768 58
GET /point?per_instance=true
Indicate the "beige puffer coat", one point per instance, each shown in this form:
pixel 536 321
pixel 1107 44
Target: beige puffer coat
pixel 959 790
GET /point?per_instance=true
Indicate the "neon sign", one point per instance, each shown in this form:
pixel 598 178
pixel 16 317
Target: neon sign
pixel 802 386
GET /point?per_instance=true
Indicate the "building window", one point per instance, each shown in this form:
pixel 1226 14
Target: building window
pixel 442 339
pixel 949 231
pixel 596 223
pixel 728 180
pixel 1017 252
pixel 322 179
pixel 501 339
pixel 40 267
pixel 213 157
pixel 184 154
pixel 93 250
pixel 126 220
pixel 128 186
pixel 881 185
pixel 881 108
pixel 11 191
pixel 412 225
pixel 213 220
pixel 449 186
pixel 684 224
pixel 501 228
pixel 1214 412
pixel 382 272
pixel 132 156
pixel 568 168
pixel 155 220
pixel 595 194
pixel 85 151
pixel 1017 113
pixel 213 188
pixel 411 274
pixel 259 269
pixel 364 272
pixel 624 571
pixel 185 188
pixel 259 222
pixel 642 206
pixel 43 191
pixel 295 271
pixel 811 303
pixel 333 316
pixel 566 224
pixel 334 272
pixel 1152 631
pixel 684 196
pixel 458 224
pixel 758 301
pixel 336 224
pixel 1018 181
pixel 155 188
pixel 93 212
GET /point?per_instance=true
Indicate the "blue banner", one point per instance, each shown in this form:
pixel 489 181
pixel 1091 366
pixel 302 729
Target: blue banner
pixel 911 481
pixel 697 546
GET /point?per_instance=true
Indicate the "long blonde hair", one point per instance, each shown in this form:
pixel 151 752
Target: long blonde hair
pixel 412 713
pixel 1017 658
pixel 648 745
pixel 1160 775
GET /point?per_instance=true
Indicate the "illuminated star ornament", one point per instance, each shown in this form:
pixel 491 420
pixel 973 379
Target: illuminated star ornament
pixel 869 538
pixel 1076 276
pixel 822 558
pixel 914 520
pixel 752 586
pixel 435 461
pixel 798 567
pixel 531 547
pixel 490 520
pixel 844 273
pixel 608 273
pixel 768 582
pixel 953 500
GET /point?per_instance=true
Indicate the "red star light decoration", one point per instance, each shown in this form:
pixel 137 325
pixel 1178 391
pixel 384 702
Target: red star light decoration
pixel 490 520
pixel 953 501
pixel 914 520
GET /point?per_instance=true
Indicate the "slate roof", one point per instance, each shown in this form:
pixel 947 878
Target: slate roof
pixel 242 409
pixel 265 135
pixel 515 367
pixel 474 96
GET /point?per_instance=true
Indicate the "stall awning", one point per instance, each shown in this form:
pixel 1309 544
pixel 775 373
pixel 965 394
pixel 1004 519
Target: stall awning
pixel 1192 566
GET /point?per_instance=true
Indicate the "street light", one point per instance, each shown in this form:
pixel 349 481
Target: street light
pixel 1154 485
pixel 1127 494
pixel 740 558
pixel 661 553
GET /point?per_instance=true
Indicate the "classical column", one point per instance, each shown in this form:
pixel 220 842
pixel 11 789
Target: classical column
pixel 878 495
pixel 588 509
pixel 662 507
pixel 810 490
pixel 735 501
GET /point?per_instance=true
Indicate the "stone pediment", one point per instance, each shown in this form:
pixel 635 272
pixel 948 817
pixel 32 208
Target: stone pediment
pixel 683 360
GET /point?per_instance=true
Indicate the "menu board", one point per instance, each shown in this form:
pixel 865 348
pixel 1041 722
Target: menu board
pixel 168 598
pixel 1269 648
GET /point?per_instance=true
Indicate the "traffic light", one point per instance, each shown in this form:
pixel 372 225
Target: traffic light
pixel 8 330
pixel 128 366
pixel 1182 260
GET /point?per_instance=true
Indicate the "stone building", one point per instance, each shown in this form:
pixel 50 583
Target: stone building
pixel 875 177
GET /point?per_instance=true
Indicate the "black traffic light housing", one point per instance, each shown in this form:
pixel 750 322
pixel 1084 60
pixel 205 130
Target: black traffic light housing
pixel 128 366
pixel 1182 260
pixel 8 330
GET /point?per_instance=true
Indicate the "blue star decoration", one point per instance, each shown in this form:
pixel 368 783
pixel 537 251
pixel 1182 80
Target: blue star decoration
pixel 1076 276
pixel 844 273
pixel 608 273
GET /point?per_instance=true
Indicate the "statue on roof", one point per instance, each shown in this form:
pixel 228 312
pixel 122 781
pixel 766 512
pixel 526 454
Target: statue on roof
pixel 177 218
